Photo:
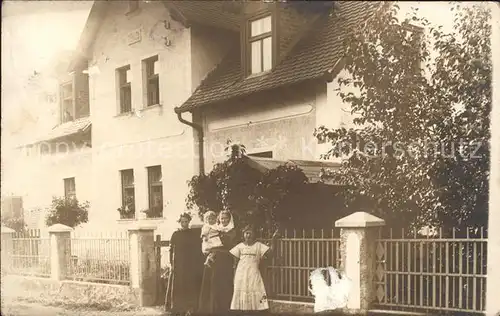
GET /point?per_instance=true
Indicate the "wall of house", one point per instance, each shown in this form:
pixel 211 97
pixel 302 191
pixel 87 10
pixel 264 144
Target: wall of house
pixel 34 177
pixel 41 177
pixel 332 112
pixel 150 136
pixel 208 47
pixel 282 121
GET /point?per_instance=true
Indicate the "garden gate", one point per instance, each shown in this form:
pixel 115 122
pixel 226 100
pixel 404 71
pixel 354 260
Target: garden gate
pixel 162 282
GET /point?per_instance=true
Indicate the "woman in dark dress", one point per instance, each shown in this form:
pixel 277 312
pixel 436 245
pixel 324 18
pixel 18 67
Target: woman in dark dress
pixel 217 285
pixel 186 261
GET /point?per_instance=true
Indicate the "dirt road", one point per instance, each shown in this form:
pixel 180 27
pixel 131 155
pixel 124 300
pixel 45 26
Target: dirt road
pixel 20 308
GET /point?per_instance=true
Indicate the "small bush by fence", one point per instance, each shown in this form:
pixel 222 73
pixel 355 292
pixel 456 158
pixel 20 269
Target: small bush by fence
pixel 444 272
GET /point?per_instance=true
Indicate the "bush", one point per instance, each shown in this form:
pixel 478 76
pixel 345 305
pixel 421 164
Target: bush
pixel 98 271
pixel 16 223
pixel 67 211
pixel 280 197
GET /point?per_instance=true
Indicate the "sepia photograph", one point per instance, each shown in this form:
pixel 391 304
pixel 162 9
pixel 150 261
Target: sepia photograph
pixel 250 157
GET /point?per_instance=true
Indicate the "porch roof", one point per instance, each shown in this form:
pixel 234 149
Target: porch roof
pixel 311 168
pixel 66 129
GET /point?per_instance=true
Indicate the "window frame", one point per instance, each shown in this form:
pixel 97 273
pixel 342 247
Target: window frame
pixel 67 192
pixel 148 77
pixel 249 39
pixel 155 184
pixel 124 186
pixel 70 98
pixel 418 31
pixel 122 86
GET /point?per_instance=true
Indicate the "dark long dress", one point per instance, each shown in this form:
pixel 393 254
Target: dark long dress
pixel 217 285
pixel 187 270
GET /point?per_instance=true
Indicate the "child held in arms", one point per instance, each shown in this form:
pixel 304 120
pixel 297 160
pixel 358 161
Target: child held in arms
pixel 210 236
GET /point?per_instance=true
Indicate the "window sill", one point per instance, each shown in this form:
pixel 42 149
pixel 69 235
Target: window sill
pixel 134 111
pixel 149 107
pixel 124 114
pixel 260 74
pixel 126 220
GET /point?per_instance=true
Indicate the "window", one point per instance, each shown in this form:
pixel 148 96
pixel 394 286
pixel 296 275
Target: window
pixel 263 154
pixel 414 36
pixel 128 190
pixel 260 45
pixel 155 192
pixel 67 109
pixel 133 5
pixel 125 89
pixel 151 80
pixel 69 188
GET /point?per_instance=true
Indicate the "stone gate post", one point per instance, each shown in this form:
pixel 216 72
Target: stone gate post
pixel 60 251
pixel 358 233
pixel 143 274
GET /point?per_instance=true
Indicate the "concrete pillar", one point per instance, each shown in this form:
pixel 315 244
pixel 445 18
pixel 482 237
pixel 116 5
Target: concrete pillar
pixel 493 263
pixel 7 248
pixel 60 251
pixel 358 233
pixel 143 274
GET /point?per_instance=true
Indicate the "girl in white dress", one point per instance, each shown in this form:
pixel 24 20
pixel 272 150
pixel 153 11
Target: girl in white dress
pixel 249 292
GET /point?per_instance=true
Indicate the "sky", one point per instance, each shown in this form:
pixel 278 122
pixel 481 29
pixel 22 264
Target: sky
pixel 32 33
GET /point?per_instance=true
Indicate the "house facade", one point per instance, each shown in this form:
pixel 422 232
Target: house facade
pixel 157 88
pixel 276 85
pixel 117 141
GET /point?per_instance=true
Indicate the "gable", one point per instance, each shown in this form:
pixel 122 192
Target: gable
pixel 312 58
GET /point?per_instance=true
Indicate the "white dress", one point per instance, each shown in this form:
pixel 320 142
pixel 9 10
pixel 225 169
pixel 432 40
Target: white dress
pixel 249 291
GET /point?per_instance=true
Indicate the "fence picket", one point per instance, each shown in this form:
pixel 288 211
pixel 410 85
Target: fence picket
pixel 445 278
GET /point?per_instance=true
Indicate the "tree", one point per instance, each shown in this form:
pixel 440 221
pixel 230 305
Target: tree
pixel 421 128
pixel 67 211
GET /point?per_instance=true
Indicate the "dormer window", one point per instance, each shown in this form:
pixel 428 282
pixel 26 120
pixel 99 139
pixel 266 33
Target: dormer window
pixel 260 45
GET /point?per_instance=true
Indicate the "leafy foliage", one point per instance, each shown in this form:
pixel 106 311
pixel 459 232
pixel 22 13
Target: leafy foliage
pixel 16 223
pixel 280 197
pixel 67 211
pixel 421 99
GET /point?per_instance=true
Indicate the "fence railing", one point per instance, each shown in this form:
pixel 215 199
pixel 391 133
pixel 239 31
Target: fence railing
pixel 445 272
pixel 95 258
pixel 295 255
pixel 30 253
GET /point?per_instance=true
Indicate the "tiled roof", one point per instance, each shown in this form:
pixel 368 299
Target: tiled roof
pixel 311 168
pixel 313 56
pixel 68 128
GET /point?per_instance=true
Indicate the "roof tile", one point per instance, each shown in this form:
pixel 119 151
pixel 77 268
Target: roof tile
pixel 311 58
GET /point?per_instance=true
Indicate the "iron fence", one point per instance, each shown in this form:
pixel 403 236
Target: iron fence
pixel 445 272
pixel 295 255
pixel 30 253
pixel 98 259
